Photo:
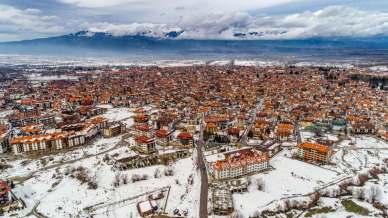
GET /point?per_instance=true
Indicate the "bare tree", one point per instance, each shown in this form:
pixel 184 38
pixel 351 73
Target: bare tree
pixel 260 184
pixel 169 171
pixel 236 214
pixel 314 198
pixel 362 178
pixel 116 180
pixel 358 193
pixel 374 172
pixel 124 179
pixel 92 184
pixel 331 192
pixel 135 178
pixel 157 173
pixel 373 193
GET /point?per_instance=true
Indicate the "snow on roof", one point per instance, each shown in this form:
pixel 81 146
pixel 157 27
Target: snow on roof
pixel 147 206
pixel 108 106
pixel 215 157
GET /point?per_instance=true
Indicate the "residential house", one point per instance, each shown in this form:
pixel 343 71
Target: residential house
pixel 147 208
pixel 284 131
pixel 185 140
pixel 163 137
pixel 145 145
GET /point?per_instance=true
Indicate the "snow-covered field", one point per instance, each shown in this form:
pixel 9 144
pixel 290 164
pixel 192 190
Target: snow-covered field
pixel 119 114
pixel 49 185
pixel 39 77
pixel 281 183
pixel 292 178
pixel 363 141
pixel 24 167
pixel 180 197
pixel 55 193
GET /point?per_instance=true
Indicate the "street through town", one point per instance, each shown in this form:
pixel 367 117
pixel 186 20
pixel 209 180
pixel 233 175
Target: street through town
pixel 204 180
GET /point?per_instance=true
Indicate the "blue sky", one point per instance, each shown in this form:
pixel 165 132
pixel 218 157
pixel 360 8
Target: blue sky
pixel 218 19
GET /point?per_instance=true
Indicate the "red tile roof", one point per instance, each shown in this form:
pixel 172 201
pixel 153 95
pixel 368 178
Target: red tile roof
pixel 185 135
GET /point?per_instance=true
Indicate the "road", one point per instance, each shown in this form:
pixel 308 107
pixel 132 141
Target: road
pixel 259 107
pixel 36 213
pixel 93 208
pixel 200 145
pixel 297 133
pixel 204 180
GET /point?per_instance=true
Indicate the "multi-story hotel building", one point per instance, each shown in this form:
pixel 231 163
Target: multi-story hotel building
pixel 36 143
pixel 239 163
pixel 314 152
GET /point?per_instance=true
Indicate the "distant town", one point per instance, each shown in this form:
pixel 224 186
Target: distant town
pixel 193 141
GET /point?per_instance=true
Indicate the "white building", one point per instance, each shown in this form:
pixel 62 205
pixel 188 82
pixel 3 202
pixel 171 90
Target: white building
pixel 239 163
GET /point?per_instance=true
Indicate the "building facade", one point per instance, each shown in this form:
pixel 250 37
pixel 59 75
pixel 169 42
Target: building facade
pixel 239 163
pixel 314 152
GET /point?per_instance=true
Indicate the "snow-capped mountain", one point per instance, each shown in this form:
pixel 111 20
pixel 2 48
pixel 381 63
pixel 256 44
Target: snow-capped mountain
pixel 172 41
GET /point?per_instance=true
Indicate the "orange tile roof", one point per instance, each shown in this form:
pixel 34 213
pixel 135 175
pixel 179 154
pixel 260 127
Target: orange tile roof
pixel 38 138
pixel 314 146
pixel 245 157
pixel 285 126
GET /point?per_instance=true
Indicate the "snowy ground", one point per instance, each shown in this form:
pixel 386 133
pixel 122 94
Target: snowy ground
pixel 39 77
pixel 350 156
pixel 47 184
pixel 25 166
pixel 5 113
pixel 306 135
pixel 280 183
pixel 363 141
pixel 57 194
pixel 119 114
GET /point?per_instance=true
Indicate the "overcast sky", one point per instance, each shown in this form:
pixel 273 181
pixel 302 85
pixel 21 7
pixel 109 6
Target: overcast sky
pixel 215 19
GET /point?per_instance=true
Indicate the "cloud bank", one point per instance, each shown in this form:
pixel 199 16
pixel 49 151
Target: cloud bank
pixel 333 21
pixel 14 21
pixel 193 22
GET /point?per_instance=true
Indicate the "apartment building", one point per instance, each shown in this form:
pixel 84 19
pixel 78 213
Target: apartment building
pixel 39 143
pixel 239 163
pixel 311 151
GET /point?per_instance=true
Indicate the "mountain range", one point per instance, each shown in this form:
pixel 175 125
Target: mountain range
pixel 100 43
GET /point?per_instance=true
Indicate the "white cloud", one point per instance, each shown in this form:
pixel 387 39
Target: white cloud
pixel 97 3
pixel 154 30
pixel 17 21
pixel 196 23
pixel 333 21
pixel 336 21
pixel 191 5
